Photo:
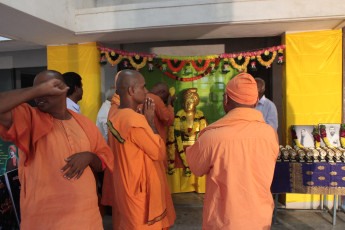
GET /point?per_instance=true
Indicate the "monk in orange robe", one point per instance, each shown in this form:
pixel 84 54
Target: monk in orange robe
pixel 238 155
pixel 59 151
pixel 142 196
pixel 164 114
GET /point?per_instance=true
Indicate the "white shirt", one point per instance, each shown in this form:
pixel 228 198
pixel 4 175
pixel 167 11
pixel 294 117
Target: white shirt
pixel 72 105
pixel 102 119
pixel 269 111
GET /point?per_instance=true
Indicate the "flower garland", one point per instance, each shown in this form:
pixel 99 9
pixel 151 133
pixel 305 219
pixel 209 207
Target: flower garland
pixel 174 69
pixel 112 59
pixel 324 136
pixel 269 62
pixel 161 67
pixel 240 68
pixel 188 58
pixel 294 137
pixel 175 138
pixel 139 65
pixel 317 138
pixel 202 68
pixel 342 135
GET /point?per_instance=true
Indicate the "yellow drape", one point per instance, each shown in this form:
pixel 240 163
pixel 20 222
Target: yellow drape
pixel 312 84
pixel 84 60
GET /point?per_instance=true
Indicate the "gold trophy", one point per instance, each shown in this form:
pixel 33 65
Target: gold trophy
pixel 292 153
pixel 338 154
pixel 323 154
pixel 285 154
pixel 309 155
pixel 330 154
pixel 316 155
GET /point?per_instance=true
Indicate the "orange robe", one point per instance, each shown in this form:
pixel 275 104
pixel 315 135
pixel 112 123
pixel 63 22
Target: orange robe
pixel 238 155
pixel 142 196
pixel 47 199
pixel 164 115
pixel 108 187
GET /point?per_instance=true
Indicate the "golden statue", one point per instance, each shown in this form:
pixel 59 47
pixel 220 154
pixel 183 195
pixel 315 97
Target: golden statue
pixel 187 126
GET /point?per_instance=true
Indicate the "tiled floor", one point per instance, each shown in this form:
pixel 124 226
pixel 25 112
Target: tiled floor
pixel 188 207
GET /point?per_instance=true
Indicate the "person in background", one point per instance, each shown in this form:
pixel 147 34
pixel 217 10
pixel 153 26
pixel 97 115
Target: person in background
pixel 102 116
pixel 238 155
pixel 266 106
pixel 60 149
pixel 75 91
pixel 164 110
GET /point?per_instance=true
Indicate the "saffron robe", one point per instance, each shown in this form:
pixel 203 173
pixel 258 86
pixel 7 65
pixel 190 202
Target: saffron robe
pixel 164 115
pixel 238 155
pixel 142 196
pixel 47 199
pixel 108 187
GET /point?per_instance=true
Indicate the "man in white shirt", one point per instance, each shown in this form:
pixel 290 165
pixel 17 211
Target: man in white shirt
pixel 266 106
pixel 75 92
pixel 102 116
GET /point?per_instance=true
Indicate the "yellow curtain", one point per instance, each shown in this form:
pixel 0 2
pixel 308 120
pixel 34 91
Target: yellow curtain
pixel 312 84
pixel 84 60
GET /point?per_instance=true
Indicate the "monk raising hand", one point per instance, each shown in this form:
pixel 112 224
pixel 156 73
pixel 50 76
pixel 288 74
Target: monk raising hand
pixel 48 136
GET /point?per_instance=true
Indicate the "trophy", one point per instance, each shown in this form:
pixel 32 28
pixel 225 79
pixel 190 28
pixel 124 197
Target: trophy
pixel 309 155
pixel 285 154
pixel 292 153
pixel 338 154
pixel 330 154
pixel 323 154
pixel 279 158
pixel 316 155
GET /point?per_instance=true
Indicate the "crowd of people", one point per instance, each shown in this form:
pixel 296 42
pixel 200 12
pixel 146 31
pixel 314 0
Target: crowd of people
pixel 62 150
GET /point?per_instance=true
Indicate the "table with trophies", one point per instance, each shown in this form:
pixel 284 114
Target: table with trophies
pixel 310 171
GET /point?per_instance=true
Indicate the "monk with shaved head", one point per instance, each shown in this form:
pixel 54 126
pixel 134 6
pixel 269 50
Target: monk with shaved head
pixel 237 154
pixel 60 149
pixel 142 198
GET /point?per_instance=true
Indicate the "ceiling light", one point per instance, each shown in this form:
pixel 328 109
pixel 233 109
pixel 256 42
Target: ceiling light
pixel 4 39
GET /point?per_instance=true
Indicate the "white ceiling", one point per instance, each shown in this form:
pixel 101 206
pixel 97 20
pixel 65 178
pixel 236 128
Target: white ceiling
pixel 30 32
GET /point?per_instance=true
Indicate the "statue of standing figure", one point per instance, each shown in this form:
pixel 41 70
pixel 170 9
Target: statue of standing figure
pixel 187 125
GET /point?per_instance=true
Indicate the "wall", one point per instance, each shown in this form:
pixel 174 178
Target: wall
pixel 21 59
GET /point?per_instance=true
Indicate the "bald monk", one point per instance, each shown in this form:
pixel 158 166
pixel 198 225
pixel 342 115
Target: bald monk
pixel 108 187
pixel 142 196
pixel 237 154
pixel 164 114
pixel 60 149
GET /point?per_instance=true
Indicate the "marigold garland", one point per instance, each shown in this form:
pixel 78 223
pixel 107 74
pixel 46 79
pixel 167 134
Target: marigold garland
pixel 173 68
pixel 140 65
pixel 269 62
pixel 324 136
pixel 342 135
pixel 175 138
pixel 202 68
pixel 110 60
pixel 317 138
pixel 161 67
pixel 294 137
pixel 241 68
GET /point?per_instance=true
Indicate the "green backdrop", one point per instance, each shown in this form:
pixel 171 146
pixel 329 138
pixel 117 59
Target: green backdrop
pixel 210 88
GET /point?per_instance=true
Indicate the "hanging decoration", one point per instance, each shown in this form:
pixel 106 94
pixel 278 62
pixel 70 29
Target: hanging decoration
pixel 226 66
pixel 175 65
pixel 342 135
pixel 240 67
pixel 202 64
pixel 191 78
pixel 150 64
pixel 324 136
pixel 294 137
pixel 138 62
pixel 271 57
